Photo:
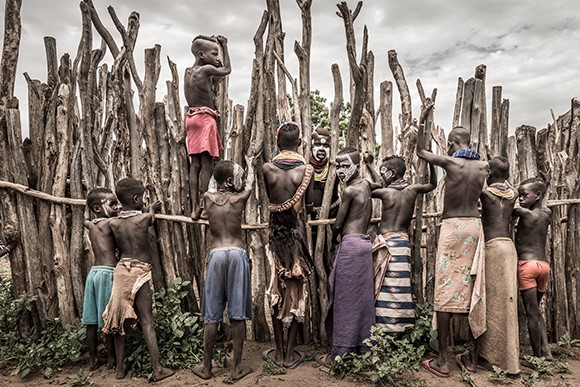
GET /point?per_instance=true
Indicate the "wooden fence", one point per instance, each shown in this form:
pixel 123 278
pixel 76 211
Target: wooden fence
pixel 85 131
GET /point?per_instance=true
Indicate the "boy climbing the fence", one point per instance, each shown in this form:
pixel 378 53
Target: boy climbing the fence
pixel 228 269
pixel 533 268
pixel 132 295
pixel 499 345
pixel 289 187
pixel 394 307
pixel 201 123
pixel 460 260
pixel 351 311
pixel 99 283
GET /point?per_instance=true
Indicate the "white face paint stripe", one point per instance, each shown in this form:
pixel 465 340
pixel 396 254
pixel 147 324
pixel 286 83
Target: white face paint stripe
pixel 348 171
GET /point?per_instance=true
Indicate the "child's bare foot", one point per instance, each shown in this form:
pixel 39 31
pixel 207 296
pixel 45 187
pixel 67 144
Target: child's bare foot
pixel 162 374
pixel 273 356
pixel 95 363
pixel 121 371
pixel 202 372
pixel 294 361
pixel 240 372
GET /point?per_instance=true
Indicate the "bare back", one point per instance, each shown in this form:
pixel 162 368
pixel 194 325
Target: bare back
pixel 225 220
pixel 132 236
pixel 354 213
pixel 281 184
pixel 397 207
pixel 463 184
pixel 198 87
pixel 102 242
pixel 496 215
pixel 531 233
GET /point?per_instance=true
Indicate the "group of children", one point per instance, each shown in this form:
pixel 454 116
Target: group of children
pixel 119 286
pixel 370 281
pixel 478 266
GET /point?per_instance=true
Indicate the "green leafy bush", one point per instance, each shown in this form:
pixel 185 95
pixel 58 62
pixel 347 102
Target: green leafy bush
pixel 422 333
pixel 388 360
pixel 179 334
pixel 566 347
pixel 391 358
pixel 43 351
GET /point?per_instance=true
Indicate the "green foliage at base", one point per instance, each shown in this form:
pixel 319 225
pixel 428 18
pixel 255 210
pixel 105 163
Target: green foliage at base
pixel 547 367
pixel 179 336
pixel 44 351
pixel 566 347
pixel 390 360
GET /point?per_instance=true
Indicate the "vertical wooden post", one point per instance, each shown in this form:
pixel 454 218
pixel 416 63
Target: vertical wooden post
pixel 458 103
pixel 386 109
pixel 399 75
pixel 495 121
pixel 526 142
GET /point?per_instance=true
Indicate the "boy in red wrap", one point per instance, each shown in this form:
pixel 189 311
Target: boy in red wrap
pixel 201 123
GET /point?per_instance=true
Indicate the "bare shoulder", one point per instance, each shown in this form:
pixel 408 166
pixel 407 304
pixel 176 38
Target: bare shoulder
pixel 267 167
pixel 547 212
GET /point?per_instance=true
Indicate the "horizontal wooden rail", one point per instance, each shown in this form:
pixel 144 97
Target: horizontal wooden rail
pixel 184 219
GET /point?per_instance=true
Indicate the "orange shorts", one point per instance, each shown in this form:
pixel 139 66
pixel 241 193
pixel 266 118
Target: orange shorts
pixel 532 273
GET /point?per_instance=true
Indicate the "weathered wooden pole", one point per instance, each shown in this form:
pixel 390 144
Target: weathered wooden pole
pixel 357 70
pixel 386 111
pixel 399 75
pixel 302 51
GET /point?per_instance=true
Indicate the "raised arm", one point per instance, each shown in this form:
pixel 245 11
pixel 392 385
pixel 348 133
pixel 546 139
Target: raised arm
pixel 251 176
pixel 432 184
pixel 377 181
pixel 153 208
pixel 423 153
pixel 223 41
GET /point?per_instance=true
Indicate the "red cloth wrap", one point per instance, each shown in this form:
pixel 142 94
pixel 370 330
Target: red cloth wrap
pixel 202 131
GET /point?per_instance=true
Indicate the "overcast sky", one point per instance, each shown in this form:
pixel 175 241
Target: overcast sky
pixel 530 47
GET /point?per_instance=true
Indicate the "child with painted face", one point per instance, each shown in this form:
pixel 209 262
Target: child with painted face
pixel 104 204
pixel 228 268
pixel 391 247
pixel 319 159
pixel 533 268
pixel 351 308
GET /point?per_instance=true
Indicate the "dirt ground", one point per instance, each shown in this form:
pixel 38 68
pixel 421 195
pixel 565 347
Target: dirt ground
pixel 307 374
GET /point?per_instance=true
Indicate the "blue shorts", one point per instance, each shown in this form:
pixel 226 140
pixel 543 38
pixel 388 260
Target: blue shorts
pixel 227 279
pixel 97 293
